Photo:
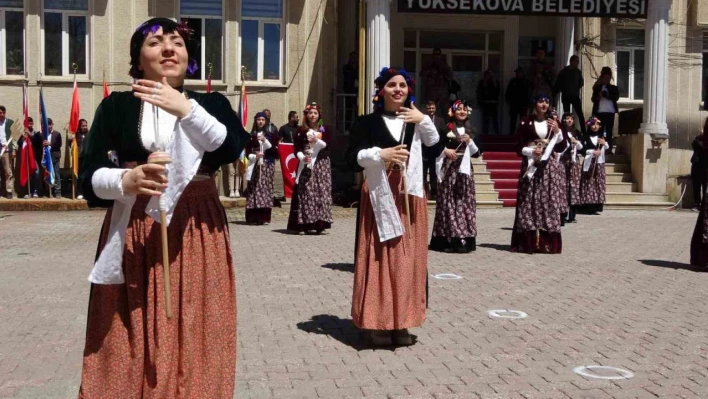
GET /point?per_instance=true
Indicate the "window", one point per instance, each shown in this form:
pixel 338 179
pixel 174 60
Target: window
pixel 65 37
pixel 12 28
pixel 704 91
pixel 204 18
pixel 262 39
pixel 629 63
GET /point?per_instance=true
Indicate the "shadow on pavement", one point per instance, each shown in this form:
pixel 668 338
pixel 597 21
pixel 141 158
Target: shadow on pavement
pixel 342 267
pixel 672 265
pixel 498 247
pixel 343 330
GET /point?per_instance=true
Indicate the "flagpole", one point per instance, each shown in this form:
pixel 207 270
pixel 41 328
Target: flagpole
pixel 73 177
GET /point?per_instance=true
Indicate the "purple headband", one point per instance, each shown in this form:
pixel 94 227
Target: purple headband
pixel 260 115
pixel 182 29
pixel 593 121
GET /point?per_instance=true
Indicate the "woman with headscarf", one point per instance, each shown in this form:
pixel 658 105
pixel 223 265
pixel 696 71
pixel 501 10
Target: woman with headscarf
pixel 455 226
pixel 592 181
pixel 537 225
pixel 133 349
pixel 262 152
pixel 311 208
pixel 569 160
pixel 699 241
pixel 390 272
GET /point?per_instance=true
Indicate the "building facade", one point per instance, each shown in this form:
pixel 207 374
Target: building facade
pixel 293 52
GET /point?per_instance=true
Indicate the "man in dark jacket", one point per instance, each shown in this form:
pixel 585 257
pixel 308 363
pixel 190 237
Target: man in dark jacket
pixel 569 83
pixel 287 131
pixel 604 103
pixel 270 126
pixel 488 100
pixel 431 153
pixel 54 143
pixel 518 96
pixel 699 168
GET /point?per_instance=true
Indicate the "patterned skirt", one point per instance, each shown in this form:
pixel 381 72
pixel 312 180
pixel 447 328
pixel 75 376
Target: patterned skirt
pixel 259 194
pixel 390 277
pixel 537 224
pixel 592 188
pixel 699 241
pixel 572 173
pixel 132 349
pixel 561 182
pixel 311 207
pixel 455 226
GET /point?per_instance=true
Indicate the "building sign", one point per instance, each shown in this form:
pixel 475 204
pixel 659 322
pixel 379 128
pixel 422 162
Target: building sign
pixel 579 8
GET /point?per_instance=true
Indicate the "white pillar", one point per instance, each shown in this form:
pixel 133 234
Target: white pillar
pixel 378 43
pixel 656 68
pixel 565 47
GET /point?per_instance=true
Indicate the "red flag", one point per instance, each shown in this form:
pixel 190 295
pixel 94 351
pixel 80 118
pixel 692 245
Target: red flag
pixel 105 89
pixel 74 116
pixel 288 164
pixel 27 163
pixel 208 88
pixel 243 106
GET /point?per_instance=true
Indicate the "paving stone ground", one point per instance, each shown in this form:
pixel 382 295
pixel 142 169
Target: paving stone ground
pixel 620 295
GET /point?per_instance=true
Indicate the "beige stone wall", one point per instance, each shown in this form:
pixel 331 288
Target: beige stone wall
pixel 310 51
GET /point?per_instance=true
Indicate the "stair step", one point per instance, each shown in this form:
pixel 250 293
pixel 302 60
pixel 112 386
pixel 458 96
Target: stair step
pixel 635 197
pixel 614 187
pixel 501 184
pixel 487 196
pixel 489 204
pixel 486 185
pixel 498 138
pixel 504 165
pixel 499 147
pixel 617 159
pixel 619 177
pixel 618 168
pixel 504 174
pixel 509 203
pixel 481 176
pixel 506 194
pixel 500 156
pixel 638 205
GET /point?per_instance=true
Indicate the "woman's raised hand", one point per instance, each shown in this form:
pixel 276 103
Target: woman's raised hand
pixel 410 115
pixel 162 95
pixel 148 179
pixel 397 154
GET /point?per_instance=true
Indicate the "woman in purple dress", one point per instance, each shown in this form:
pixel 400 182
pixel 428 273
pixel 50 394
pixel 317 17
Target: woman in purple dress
pixel 569 159
pixel 592 181
pixel 262 152
pixel 537 225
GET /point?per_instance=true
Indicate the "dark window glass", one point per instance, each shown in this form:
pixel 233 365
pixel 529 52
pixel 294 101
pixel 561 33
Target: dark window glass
pixel 249 49
pixel 271 48
pixel 212 33
pixel 77 44
pixel 52 44
pixel 14 53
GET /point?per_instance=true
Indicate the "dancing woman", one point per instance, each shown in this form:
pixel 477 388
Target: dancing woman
pixel 133 350
pixel 592 182
pixel 390 273
pixel 262 152
pixel 569 160
pixel 311 209
pixel 537 227
pixel 455 226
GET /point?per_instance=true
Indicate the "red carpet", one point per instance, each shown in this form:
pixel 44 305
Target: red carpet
pixel 503 163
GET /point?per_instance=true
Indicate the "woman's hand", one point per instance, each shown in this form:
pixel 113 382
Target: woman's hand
pixel 259 155
pixel 596 152
pixel 410 115
pixel 308 159
pixel 601 141
pixel 538 152
pixel 148 179
pixel 553 124
pixel 450 154
pixel 163 96
pixel 465 138
pixel 397 154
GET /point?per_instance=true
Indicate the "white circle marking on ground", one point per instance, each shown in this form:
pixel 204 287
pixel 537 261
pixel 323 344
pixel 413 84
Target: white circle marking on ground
pixel 585 371
pixel 446 276
pixel 517 314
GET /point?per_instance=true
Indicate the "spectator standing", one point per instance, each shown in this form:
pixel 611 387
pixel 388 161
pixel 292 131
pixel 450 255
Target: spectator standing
pixel 488 100
pixel 287 131
pixel 518 97
pixel 437 77
pixel 542 75
pixel 79 137
pixel 8 180
pixel 569 83
pixel 430 153
pixel 54 143
pixel 604 103
pixel 270 126
pixel 350 86
pixel 699 167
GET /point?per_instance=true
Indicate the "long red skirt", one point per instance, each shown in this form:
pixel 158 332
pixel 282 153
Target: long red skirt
pixel 390 277
pixel 132 349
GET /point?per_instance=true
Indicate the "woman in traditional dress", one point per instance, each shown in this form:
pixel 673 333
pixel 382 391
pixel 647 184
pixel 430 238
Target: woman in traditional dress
pixel 557 170
pixel 592 181
pixel 537 227
pixel 311 209
pixel 569 160
pixel 699 241
pixel 262 152
pixel 390 273
pixel 455 226
pixel 133 350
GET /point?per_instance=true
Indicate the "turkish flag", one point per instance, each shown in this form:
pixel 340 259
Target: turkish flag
pixel 288 164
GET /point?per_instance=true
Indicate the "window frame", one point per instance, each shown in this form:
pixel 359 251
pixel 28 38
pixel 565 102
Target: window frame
pixel 3 40
pixel 261 46
pixel 631 49
pixel 704 77
pixel 66 63
pixel 204 69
